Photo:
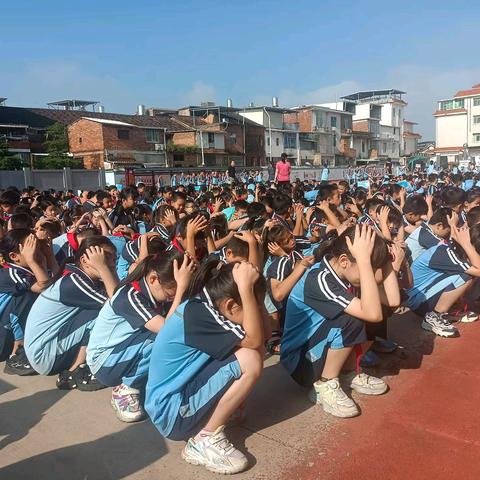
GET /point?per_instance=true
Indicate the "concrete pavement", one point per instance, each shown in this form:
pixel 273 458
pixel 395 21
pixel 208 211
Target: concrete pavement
pixel 49 434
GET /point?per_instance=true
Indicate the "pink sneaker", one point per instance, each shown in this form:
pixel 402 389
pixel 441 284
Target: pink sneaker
pixel 126 402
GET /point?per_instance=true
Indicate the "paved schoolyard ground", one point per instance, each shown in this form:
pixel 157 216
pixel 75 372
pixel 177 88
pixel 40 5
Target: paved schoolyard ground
pixel 425 427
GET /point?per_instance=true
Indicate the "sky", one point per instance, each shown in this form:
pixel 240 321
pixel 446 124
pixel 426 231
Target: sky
pixel 182 52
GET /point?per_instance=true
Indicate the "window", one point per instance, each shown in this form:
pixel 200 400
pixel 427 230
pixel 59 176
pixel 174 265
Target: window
pixel 80 140
pixel 384 147
pixel 476 119
pixel 333 122
pixel 334 141
pixel 152 136
pixel 232 139
pixel 451 104
pixel 290 140
pixel 268 141
pixel 476 137
pixel 363 146
pixel 277 141
pixel 123 134
pixel 476 102
pixel 211 137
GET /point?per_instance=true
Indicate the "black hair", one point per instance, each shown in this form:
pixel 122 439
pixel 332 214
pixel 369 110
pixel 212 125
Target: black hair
pixel 441 216
pixel 240 205
pixel 54 229
pixel 10 197
pixel 415 204
pixel 472 195
pixel 281 204
pixel 178 195
pixel 12 240
pixel 337 245
pixel 453 196
pixel 473 216
pixel 238 247
pixel 215 278
pixel 21 220
pixel 161 211
pixel 161 263
pixel 373 204
pixel 219 226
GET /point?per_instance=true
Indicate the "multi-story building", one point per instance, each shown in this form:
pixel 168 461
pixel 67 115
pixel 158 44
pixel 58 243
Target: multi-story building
pixel 328 132
pixel 377 123
pixel 410 139
pixel 244 138
pixel 457 127
pixel 279 137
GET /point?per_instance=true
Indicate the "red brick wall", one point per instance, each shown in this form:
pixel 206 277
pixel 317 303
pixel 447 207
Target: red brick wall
pixel 184 138
pixel 360 126
pixel 136 141
pixel 303 118
pixel 90 134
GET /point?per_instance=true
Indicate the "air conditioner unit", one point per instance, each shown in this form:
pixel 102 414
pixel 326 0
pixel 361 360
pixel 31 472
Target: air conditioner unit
pixel 159 147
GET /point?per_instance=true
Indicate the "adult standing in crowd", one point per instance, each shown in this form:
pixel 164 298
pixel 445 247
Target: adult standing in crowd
pixel 231 172
pixel 271 171
pixel 283 170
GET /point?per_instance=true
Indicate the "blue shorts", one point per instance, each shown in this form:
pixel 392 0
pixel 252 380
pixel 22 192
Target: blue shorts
pixel 201 396
pixel 424 301
pixel 73 335
pixel 128 362
pixel 343 331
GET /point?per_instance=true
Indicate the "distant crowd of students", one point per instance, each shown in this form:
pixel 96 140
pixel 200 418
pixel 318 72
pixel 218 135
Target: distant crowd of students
pixel 173 296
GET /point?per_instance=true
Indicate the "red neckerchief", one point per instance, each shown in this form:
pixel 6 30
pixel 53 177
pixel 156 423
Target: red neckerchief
pixel 136 286
pixel 72 240
pixel 177 245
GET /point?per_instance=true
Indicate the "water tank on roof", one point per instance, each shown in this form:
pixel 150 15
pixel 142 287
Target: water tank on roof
pixel 101 109
pixel 274 101
pixel 229 103
pixel 141 109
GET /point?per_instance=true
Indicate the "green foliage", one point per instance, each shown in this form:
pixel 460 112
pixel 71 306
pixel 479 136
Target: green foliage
pixel 8 160
pixel 57 147
pixel 174 148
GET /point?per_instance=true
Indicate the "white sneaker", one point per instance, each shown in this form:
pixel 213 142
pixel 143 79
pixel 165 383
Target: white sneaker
pixel 363 383
pixel 333 399
pixel 215 453
pixel 439 325
pixel 127 404
pixel 468 317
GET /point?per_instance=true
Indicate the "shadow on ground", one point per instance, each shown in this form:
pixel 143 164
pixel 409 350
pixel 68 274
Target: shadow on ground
pixel 20 415
pixel 114 456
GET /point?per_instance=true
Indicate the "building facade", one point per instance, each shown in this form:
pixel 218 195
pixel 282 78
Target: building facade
pixel 457 128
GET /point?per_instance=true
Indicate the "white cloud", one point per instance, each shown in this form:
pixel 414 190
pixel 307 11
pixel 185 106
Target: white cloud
pixel 43 82
pixel 200 92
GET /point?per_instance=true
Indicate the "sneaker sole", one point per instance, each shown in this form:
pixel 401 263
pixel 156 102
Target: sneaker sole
pixel 369 391
pixel 212 468
pixel 90 388
pixel 21 373
pixel 466 319
pixel 426 326
pixel 313 397
pixel 123 419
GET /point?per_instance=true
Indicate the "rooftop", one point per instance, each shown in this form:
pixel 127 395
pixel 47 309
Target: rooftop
pixel 474 91
pixel 373 94
pixel 73 104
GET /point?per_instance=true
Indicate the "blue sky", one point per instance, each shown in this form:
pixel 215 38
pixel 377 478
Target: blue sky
pixel 174 53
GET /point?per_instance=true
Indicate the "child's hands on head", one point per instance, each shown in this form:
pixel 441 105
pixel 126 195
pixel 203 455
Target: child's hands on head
pixel 94 258
pixel 183 273
pixel 362 246
pixel 29 248
pixel 276 250
pixel 245 275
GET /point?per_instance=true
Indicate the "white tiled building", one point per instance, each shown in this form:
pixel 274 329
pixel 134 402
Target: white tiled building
pixel 457 128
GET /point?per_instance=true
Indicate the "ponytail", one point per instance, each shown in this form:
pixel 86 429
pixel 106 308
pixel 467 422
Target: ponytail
pixel 215 279
pixel 336 245
pixel 160 263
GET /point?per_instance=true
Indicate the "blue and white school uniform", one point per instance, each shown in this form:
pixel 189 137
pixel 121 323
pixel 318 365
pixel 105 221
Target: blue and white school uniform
pixel 435 271
pixel 16 298
pixel 192 366
pixel 60 321
pixel 422 239
pixel 279 268
pixel 129 255
pixel 316 321
pixel 119 347
pixel 162 231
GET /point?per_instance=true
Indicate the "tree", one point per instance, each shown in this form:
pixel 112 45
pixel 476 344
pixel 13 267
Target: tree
pixel 57 148
pixel 8 160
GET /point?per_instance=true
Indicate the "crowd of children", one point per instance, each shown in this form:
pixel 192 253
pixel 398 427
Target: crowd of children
pixel 173 296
